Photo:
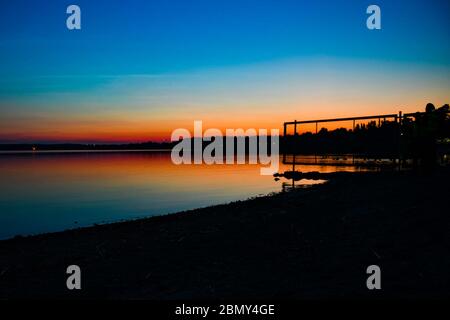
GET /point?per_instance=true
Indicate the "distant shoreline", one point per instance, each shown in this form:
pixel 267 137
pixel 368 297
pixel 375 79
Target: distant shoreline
pixel 80 151
pixel 37 147
pixel 309 243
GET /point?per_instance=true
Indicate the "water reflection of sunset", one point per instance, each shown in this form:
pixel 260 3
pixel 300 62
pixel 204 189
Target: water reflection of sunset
pixel 57 190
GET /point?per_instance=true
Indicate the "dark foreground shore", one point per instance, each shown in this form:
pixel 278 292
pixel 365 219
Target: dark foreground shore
pixel 308 243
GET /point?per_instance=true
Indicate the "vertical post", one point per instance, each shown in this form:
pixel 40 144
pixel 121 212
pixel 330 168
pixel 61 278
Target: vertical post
pixel 295 137
pixel 315 146
pixel 353 132
pixel 397 141
pixel 295 150
pixel 293 167
pixel 285 142
pixel 400 140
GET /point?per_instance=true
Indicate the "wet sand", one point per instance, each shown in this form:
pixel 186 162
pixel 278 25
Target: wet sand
pixel 307 243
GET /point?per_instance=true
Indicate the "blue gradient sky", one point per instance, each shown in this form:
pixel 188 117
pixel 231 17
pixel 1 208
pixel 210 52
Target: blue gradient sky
pixel 139 69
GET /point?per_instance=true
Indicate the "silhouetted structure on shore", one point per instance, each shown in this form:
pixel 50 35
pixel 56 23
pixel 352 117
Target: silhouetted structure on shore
pixel 397 137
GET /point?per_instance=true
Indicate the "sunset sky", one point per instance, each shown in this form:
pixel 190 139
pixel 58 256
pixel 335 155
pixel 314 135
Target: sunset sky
pixel 139 69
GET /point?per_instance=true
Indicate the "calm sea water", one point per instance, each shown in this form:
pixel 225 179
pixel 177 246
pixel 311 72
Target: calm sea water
pixel 46 192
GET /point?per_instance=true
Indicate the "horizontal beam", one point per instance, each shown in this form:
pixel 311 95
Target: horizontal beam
pixel 345 119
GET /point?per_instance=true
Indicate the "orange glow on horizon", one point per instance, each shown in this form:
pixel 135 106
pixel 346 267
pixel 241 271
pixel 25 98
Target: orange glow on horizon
pixel 135 128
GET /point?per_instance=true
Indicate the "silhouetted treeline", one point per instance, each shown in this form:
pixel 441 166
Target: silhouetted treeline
pixel 422 131
pixel 369 139
pixel 138 146
pixel 87 147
